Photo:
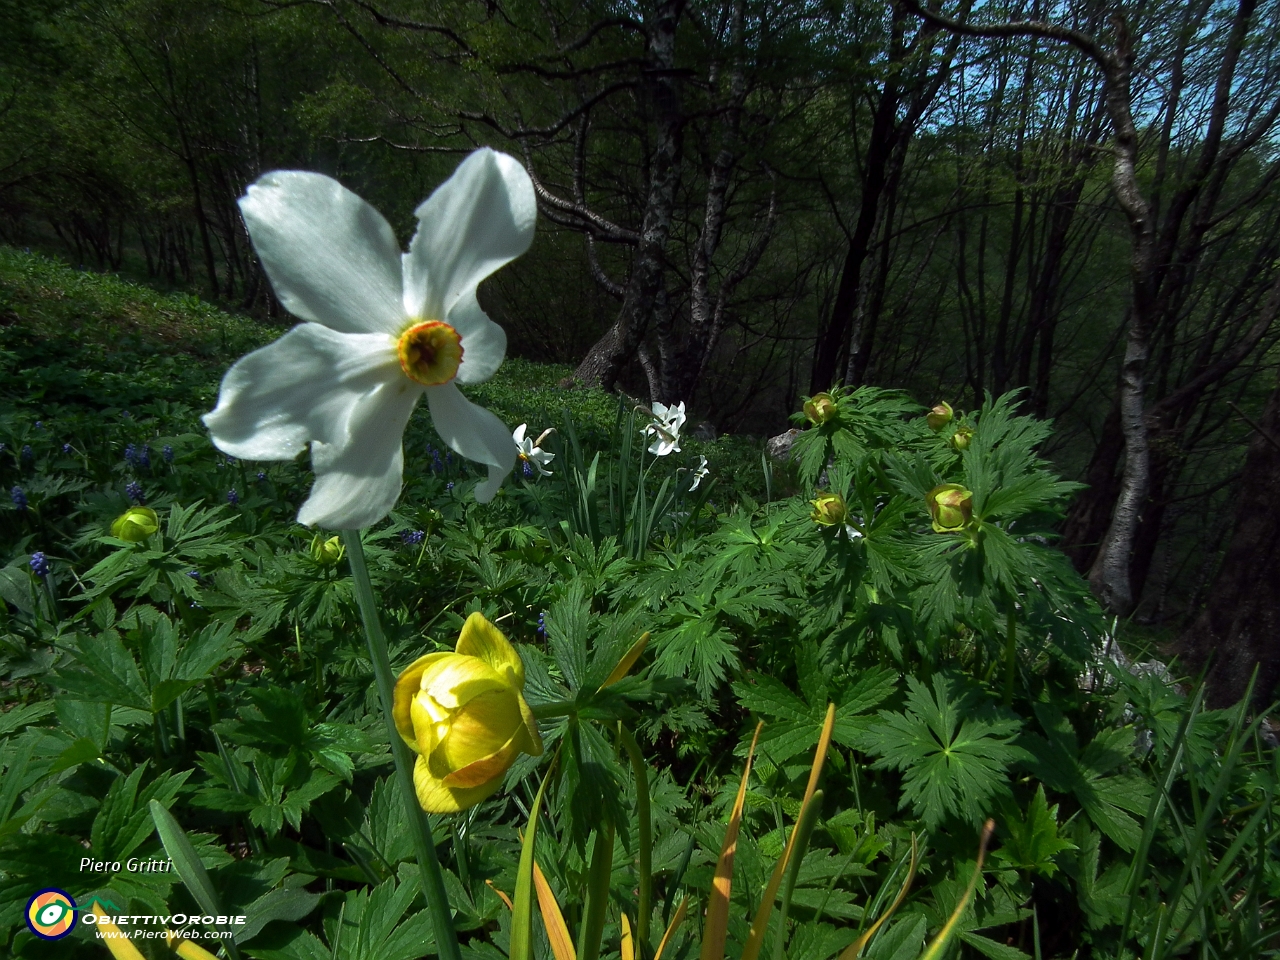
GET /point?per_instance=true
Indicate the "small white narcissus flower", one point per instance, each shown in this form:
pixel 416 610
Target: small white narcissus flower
pixel 529 452
pixel 382 329
pixel 665 428
pixel 700 474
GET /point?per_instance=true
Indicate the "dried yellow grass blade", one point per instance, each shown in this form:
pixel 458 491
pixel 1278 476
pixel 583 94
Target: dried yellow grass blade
pixel 185 948
pixel 854 949
pixel 673 926
pixel 716 930
pixel 552 918
pixel 755 939
pixel 944 936
pixel 121 947
pixel 628 661
pixel 501 896
pixel 628 944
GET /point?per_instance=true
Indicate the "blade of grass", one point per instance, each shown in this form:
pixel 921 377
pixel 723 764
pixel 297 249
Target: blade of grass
pixel 803 830
pixel 598 876
pixel 553 918
pixel 120 946
pixel 187 864
pixel 755 939
pixel 673 926
pixel 854 949
pixel 522 907
pixel 716 929
pixel 627 946
pixel 940 942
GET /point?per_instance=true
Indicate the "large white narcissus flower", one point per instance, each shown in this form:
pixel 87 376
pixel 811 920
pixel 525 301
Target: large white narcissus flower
pixel 383 328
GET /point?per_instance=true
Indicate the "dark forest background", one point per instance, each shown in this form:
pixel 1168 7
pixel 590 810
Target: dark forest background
pixel 744 202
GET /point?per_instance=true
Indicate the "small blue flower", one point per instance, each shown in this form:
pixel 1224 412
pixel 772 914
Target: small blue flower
pixel 412 538
pixel 133 490
pixel 167 453
pixel 542 624
pixel 233 498
pixel 193 574
pixel 39 424
pixel 262 477
pixel 449 485
pixel 528 470
pixel 27 452
pixel 124 414
pixel 144 457
pixel 19 498
pixel 448 457
pixel 130 453
pixel 66 448
pixel 231 459
pixel 39 564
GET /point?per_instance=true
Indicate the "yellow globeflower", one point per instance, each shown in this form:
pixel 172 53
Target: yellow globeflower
pixel 951 507
pixel 327 553
pixel 829 510
pixel 820 408
pixel 464 714
pixel 135 524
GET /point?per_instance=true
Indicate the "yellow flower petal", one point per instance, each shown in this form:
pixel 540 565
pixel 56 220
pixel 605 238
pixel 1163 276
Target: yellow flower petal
pixel 485 769
pixel 480 728
pixel 407 686
pixel 480 638
pixel 435 797
pixel 532 738
pixel 454 679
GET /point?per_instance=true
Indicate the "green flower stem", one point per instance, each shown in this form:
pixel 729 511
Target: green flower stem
pixel 598 877
pixel 557 708
pixel 645 865
pixel 432 878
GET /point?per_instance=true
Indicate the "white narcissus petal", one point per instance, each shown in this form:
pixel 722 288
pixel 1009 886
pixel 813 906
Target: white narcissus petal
pixel 475 433
pixel 358 477
pixel 331 257
pixel 484 343
pixel 479 219
pixel 302 387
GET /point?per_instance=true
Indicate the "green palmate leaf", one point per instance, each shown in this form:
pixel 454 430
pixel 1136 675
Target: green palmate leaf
pixel 952 745
pixel 1109 798
pixel 1031 843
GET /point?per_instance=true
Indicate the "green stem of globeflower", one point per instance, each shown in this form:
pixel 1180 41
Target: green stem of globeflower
pixel 640 770
pixel 432 878
pixel 557 708
pixel 1010 652
pixel 598 876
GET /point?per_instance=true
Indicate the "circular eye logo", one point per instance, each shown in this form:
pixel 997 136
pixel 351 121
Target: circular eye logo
pixel 51 914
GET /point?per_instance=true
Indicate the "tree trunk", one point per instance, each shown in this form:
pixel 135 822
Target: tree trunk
pixel 1237 629
pixel 605 359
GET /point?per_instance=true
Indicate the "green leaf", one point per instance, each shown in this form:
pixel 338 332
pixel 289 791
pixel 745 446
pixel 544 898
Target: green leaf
pixel 1032 842
pixel 953 747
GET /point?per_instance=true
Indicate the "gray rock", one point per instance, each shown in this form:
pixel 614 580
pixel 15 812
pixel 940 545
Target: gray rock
pixel 779 447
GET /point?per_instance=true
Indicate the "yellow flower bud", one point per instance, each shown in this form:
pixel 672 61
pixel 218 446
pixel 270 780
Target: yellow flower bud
pixel 464 714
pixel 961 439
pixel 820 408
pixel 327 553
pixel 829 510
pixel 135 524
pixel 939 416
pixel 951 507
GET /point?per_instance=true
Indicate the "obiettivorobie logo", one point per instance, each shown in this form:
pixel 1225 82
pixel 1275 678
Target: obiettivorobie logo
pixel 51 913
